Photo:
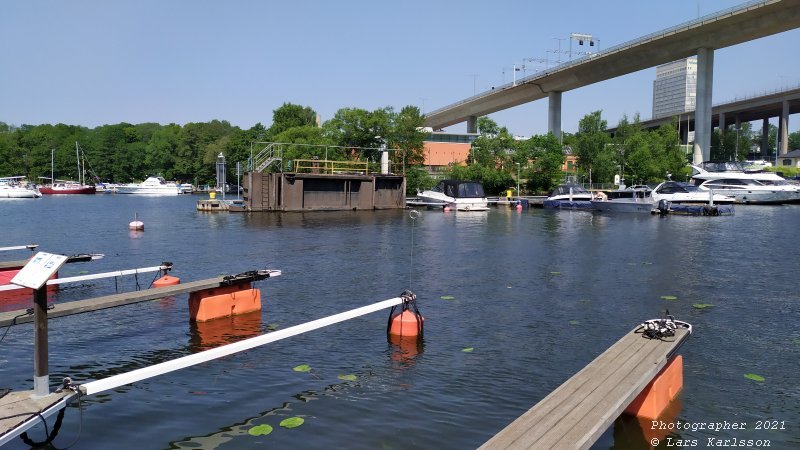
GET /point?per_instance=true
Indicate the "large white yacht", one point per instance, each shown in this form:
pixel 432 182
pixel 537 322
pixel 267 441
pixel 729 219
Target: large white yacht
pixel 152 186
pixel 753 187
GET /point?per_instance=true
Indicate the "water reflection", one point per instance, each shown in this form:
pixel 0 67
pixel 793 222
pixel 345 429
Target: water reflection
pixel 225 330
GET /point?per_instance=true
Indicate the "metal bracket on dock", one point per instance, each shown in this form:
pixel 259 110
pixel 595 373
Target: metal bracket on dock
pixel 251 275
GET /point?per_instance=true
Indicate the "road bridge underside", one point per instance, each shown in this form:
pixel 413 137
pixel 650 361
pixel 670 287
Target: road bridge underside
pixel 741 25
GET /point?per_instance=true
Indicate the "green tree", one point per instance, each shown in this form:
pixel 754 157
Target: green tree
pixel 290 116
pixel 595 157
pixel 547 157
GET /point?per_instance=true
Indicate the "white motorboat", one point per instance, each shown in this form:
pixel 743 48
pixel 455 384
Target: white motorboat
pixel 679 192
pixel 625 200
pixel 151 186
pixel 569 196
pixel 752 187
pixel 457 194
pixel 10 187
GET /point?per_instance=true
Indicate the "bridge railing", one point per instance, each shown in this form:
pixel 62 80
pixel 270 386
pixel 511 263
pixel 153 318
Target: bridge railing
pixel 649 37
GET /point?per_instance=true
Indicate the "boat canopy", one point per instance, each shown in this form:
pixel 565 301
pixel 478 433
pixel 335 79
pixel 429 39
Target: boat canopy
pixel 563 189
pixel 460 189
pixel 674 187
pixel 722 166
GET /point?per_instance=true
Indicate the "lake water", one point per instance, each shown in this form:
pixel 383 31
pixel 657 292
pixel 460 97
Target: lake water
pixel 536 294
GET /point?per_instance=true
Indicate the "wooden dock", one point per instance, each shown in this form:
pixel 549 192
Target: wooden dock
pixel 579 411
pixel 21 410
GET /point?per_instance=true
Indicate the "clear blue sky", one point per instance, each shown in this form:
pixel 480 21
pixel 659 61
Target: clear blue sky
pixel 98 62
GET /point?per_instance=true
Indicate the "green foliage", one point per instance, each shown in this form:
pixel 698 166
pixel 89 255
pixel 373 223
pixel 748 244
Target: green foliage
pixel 494 180
pixel 290 116
pixel 417 179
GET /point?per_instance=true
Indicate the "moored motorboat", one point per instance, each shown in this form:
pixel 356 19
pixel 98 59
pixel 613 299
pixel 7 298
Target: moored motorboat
pixel 151 186
pixel 569 196
pixel 11 187
pixel 457 194
pixel 679 192
pixel 625 200
pixel 746 186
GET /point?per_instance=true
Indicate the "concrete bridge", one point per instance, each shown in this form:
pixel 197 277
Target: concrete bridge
pixel 699 37
pixel 763 107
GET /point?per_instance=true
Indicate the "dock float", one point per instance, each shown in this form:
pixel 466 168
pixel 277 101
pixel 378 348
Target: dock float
pixel 121 299
pixel 579 411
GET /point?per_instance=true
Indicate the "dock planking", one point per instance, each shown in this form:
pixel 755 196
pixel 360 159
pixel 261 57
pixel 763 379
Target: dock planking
pixel 20 410
pixel 580 410
pixel 110 301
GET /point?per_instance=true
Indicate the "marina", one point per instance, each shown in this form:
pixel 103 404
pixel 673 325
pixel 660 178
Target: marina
pixel 558 287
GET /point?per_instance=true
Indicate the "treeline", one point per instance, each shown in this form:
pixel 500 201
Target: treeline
pixel 127 152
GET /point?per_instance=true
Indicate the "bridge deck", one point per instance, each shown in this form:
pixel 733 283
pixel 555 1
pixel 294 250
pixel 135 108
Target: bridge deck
pixel 580 410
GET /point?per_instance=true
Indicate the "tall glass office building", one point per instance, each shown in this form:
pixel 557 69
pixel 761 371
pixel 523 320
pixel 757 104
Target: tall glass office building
pixel 675 88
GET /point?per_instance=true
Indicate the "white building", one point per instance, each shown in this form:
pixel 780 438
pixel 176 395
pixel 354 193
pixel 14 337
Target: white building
pixel 675 88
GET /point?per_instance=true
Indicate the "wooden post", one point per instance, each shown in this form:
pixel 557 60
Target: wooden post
pixel 41 377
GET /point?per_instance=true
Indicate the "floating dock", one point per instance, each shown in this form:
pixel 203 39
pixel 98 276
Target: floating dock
pixel 579 411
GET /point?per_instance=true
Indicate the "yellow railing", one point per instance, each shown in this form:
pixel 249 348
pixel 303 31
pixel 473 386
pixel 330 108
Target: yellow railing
pixel 330 167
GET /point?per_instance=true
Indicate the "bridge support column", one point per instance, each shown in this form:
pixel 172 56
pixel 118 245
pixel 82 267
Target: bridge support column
pixel 472 124
pixel 554 114
pixel 702 123
pixel 765 139
pixel 722 126
pixel 783 129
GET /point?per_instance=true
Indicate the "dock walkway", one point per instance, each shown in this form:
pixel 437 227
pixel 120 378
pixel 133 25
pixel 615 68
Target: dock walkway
pixel 20 410
pixel 580 410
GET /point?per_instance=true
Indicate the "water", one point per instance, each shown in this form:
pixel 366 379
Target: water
pixel 536 294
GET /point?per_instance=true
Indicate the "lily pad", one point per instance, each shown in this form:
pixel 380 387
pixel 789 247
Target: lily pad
pixel 754 377
pixel 302 368
pixel 447 297
pixel 467 349
pixel 702 305
pixel 272 327
pixel 574 322
pixel 292 422
pixel 797 341
pixel 555 273
pixel 83 272
pixel 668 297
pixel 260 430
pixel 348 377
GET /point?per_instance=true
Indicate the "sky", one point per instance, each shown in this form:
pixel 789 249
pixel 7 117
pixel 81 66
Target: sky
pixel 93 62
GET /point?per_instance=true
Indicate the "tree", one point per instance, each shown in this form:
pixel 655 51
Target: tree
pixel 290 116
pixel 405 136
pixel 547 155
pixel 595 158
pixel 359 128
pixel 487 126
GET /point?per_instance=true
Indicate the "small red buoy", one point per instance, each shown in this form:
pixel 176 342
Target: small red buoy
pixel 166 280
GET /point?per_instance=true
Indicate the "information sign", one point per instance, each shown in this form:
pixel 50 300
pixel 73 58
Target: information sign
pixel 38 270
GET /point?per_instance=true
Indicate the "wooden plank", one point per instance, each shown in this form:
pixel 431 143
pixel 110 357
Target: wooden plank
pixel 20 410
pixel 524 426
pixel 580 410
pixel 110 301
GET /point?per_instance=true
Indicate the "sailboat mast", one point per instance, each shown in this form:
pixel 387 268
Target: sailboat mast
pixel 52 167
pixel 78 158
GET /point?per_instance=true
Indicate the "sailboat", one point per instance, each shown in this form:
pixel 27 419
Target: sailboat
pixel 58 187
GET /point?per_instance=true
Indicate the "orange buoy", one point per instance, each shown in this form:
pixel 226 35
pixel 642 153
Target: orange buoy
pixel 166 280
pixel 408 322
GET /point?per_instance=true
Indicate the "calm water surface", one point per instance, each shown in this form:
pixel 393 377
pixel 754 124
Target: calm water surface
pixel 536 294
